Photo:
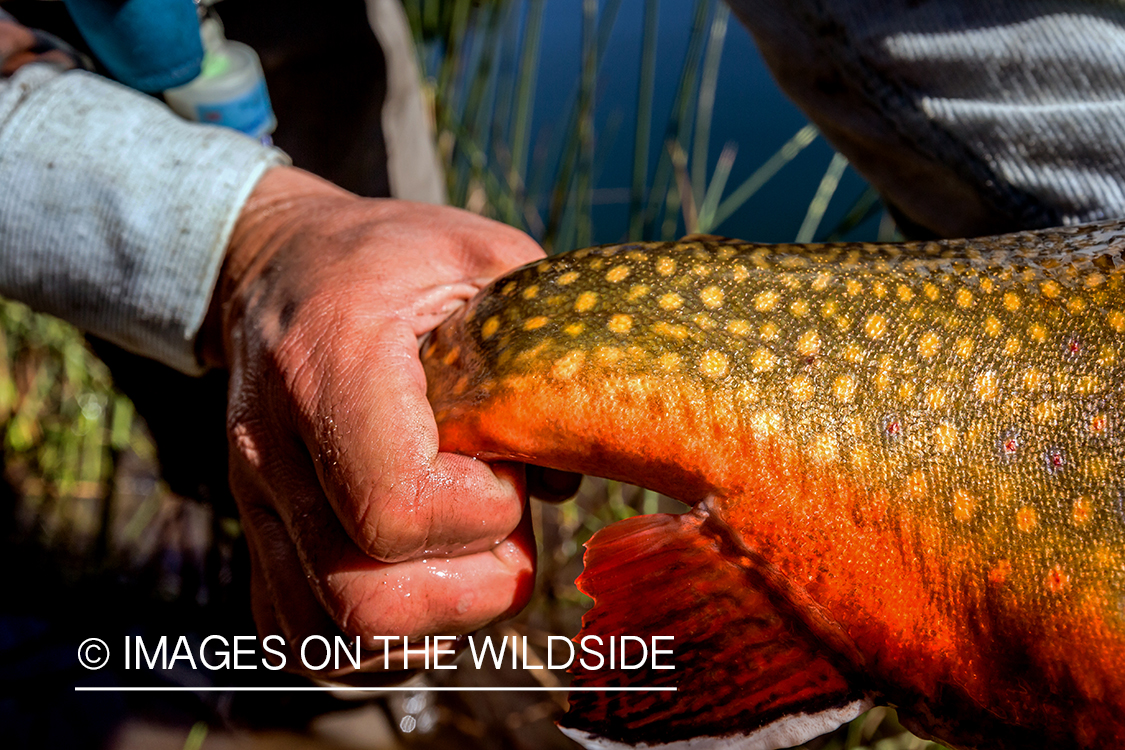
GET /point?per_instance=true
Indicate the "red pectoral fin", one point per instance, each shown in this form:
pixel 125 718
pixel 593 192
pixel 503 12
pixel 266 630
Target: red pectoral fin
pixel 747 671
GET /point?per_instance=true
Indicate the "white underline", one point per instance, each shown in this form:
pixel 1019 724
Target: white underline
pixel 396 689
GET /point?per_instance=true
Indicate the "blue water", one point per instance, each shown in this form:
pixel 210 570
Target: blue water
pixel 749 110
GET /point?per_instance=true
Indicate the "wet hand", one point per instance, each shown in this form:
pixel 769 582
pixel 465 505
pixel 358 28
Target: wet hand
pixel 355 521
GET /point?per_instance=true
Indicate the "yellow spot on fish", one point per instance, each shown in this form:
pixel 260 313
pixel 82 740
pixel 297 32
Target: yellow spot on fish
pixel 964 347
pixel 573 329
pixel 1098 423
pixel 1081 511
pixel 738 328
pixel 823 449
pixel 637 292
pixel 906 390
pixel 1011 301
pixel 986 386
pixel 917 486
pixel 821 282
pixel 875 326
pixel 963 298
pixel 992 326
pixel 665 266
pixel 766 301
pixel 671 301
pixel 568 278
pixel 670 330
pixel 799 308
pixel 585 301
pixel 853 353
pixel 935 398
pixel 882 380
pixel 748 393
pixel 829 308
pixel 509 288
pixel 620 323
pixel 945 437
pixel 704 321
pixel 986 285
pixel 844 388
pixel 801 387
pixel 765 423
pixel 879 289
pixel 568 365
pixel 1037 333
pixel 1107 356
pixel 1012 346
pixel 452 355
pixel 1076 305
pixel 929 344
pixel 669 361
pixel 1050 288
pixel 608 355
pixel 931 291
pixel 1034 379
pixel 490 327
pixel 904 292
pixel 713 364
pixel 1116 320
pixel 618 273
pixel 853 287
pixel 1094 280
pixel 763 360
pixel 531 291
pixel 769 331
pixel 712 296
pixel 1026 518
pixel 809 343
pixel 963 505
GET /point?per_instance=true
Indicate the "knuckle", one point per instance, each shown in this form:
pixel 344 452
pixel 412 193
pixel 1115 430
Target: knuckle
pixel 395 524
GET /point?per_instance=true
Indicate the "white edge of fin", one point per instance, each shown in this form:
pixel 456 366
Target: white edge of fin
pixel 788 731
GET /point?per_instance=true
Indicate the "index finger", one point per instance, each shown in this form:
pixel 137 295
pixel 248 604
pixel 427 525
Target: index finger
pixel 374 444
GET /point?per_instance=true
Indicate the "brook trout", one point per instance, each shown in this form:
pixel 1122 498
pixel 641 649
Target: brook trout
pixel 907 464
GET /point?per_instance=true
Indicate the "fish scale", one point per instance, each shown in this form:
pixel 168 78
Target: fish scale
pixel 917 446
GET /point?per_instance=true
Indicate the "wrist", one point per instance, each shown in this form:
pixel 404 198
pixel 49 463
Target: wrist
pixel 277 208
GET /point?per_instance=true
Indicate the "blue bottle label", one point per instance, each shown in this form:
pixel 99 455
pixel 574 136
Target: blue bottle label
pixel 250 113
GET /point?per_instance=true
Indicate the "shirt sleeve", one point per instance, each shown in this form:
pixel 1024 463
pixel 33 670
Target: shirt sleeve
pixel 114 212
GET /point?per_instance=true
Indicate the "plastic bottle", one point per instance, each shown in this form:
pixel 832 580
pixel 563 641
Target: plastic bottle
pixel 230 90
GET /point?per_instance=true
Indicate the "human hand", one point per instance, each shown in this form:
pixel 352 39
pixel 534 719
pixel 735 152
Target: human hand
pixel 355 521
